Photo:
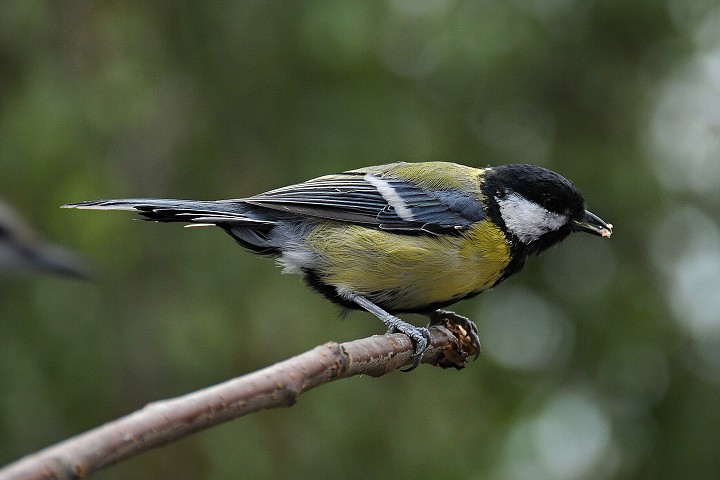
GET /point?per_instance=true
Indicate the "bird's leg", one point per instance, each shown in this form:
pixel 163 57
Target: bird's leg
pixel 468 325
pixel 420 336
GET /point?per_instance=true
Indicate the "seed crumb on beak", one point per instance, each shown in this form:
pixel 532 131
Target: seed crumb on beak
pixel 608 231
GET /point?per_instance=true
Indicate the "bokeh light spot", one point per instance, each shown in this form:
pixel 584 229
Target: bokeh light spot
pixel 571 435
pixel 684 137
pixel 524 331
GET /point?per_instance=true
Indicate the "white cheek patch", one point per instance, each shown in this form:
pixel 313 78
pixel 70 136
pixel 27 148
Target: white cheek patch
pixel 526 219
pixel 390 196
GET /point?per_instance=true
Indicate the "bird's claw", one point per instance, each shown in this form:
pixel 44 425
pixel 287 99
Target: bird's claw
pixel 420 336
pixel 468 325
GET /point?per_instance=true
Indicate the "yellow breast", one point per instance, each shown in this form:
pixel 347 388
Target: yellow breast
pixel 406 272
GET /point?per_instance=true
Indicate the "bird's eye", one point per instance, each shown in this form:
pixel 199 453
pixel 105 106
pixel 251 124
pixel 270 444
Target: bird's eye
pixel 552 204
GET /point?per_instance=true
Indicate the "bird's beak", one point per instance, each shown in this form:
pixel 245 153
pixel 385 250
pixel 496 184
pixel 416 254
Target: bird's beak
pixel 591 223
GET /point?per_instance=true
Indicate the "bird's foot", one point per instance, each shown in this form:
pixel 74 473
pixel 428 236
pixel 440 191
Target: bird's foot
pixel 420 337
pixel 438 316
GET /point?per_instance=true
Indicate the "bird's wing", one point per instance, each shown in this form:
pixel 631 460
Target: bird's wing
pixel 369 198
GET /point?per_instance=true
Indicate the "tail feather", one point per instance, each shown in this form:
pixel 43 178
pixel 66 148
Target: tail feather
pixel 245 223
pixel 171 210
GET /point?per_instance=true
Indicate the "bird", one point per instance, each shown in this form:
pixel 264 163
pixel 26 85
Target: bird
pixel 23 250
pixel 396 238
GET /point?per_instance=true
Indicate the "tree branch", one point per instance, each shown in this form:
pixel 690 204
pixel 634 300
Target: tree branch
pixel 279 385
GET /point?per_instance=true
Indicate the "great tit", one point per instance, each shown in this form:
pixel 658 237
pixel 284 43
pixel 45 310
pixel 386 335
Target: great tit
pixel 396 238
pixel 22 249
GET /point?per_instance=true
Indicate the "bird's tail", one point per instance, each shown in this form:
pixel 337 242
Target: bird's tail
pixel 242 221
pixel 170 210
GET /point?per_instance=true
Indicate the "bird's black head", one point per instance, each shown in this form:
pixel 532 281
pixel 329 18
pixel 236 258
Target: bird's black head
pixel 536 207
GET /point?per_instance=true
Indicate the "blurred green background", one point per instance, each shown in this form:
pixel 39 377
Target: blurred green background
pixel 601 360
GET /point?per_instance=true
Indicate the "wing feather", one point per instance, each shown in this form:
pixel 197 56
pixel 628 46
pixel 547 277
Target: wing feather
pixel 386 202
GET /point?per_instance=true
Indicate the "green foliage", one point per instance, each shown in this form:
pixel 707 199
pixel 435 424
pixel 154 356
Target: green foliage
pixel 600 359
